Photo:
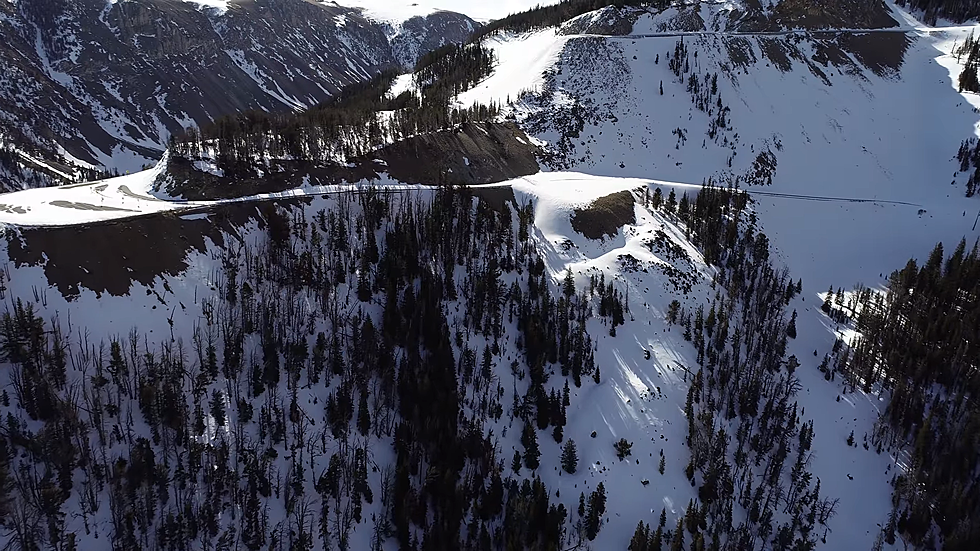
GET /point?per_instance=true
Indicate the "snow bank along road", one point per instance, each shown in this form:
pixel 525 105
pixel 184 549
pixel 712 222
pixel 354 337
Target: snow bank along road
pixel 131 196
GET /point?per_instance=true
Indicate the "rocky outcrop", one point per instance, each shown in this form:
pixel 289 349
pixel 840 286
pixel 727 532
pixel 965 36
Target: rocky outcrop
pixel 608 21
pixel 775 15
pixel 420 35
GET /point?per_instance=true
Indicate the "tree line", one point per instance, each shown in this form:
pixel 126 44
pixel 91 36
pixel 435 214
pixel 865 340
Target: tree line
pixel 542 17
pixel 330 335
pixel 749 444
pixel 918 342
pixel 360 119
pixel 954 10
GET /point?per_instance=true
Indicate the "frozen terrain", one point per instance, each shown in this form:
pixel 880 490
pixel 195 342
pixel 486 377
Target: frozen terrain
pixel 863 181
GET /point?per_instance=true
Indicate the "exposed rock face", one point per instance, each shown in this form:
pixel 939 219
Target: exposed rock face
pixel 607 21
pixel 777 15
pixel 109 82
pixel 832 14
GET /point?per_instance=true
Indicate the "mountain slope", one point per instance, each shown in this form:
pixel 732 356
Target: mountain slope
pixel 848 169
pixel 108 83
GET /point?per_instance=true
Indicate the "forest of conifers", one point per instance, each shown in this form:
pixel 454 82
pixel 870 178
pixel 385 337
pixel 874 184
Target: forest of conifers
pixel 953 10
pixel 351 124
pixel 919 343
pixel 329 336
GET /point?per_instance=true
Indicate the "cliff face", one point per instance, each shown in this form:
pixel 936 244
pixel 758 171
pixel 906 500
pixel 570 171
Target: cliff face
pixel 107 83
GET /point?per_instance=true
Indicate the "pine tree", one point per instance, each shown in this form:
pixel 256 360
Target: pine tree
pixel 569 457
pixel 515 464
pixel 673 311
pixel 677 541
pixel 531 453
pixel 218 408
pixel 568 284
pixel 623 448
pixel 791 327
pixel 597 508
pixel 6 481
pixel 363 415
pixel 640 536
pixel 558 433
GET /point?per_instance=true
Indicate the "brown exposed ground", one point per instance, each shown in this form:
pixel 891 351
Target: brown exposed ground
pixel 108 257
pixel 605 215
pixel 883 53
pixel 829 14
pixel 474 153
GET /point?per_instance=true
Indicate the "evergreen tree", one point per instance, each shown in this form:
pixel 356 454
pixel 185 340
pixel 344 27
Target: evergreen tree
pixel 569 457
pixel 640 537
pixel 623 448
pixel 597 508
pixel 529 438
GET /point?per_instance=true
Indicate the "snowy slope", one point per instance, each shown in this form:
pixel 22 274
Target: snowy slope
pixel 862 182
pixel 134 196
pixel 861 136
pixel 639 399
pixel 522 60
pixel 865 159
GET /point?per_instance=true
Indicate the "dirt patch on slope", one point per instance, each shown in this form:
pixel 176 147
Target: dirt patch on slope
pixel 829 14
pixel 605 215
pixel 108 257
pixel 473 153
pixel 883 53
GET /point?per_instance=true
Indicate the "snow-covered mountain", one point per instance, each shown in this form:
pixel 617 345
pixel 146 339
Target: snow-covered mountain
pixel 840 119
pixel 104 84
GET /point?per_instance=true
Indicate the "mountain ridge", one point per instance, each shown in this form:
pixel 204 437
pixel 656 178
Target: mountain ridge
pixel 130 73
